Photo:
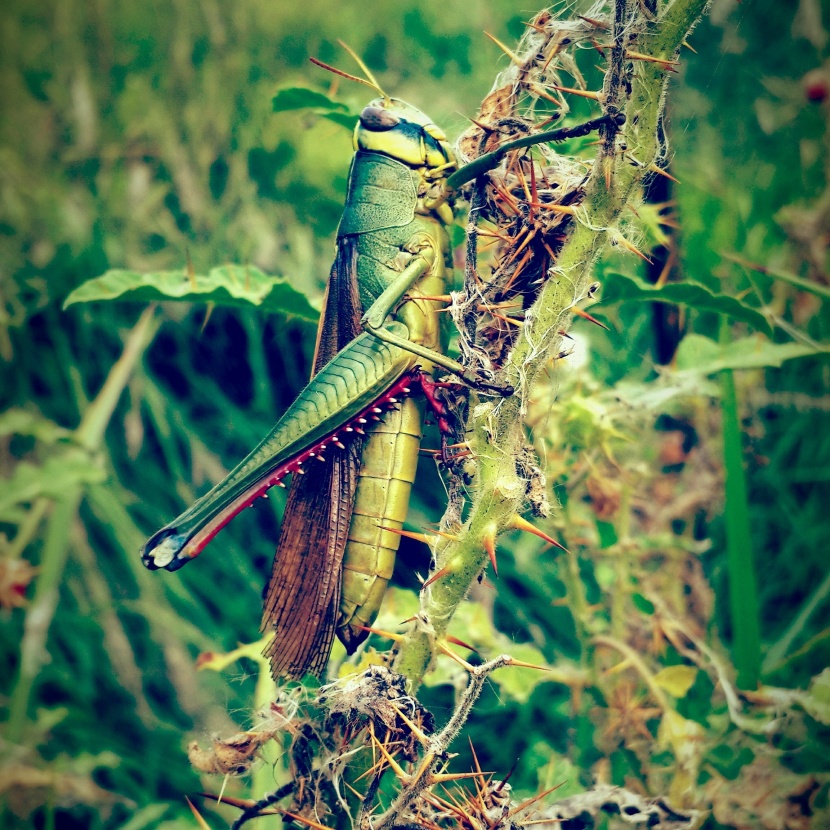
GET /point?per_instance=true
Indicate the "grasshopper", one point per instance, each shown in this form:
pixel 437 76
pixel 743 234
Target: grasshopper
pixel 355 429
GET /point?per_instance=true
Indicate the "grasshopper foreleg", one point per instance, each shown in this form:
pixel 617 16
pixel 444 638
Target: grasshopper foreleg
pixel 373 322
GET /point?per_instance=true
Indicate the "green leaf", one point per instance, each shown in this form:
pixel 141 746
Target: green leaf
pixel 59 474
pixel 620 288
pixel 21 422
pixel 473 624
pixel 676 680
pixel 700 355
pixel 555 770
pixel 227 285
pixel 645 606
pixel 299 97
pixel 816 701
pixel 344 119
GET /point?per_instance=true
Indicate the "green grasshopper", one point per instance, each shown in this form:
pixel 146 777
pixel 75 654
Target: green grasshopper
pixel 378 337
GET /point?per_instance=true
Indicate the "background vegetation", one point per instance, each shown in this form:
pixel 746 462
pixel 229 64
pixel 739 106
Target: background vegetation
pixel 143 136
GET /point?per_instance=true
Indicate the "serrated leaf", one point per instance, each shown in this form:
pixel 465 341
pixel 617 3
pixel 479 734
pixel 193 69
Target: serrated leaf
pixel 226 285
pixel 676 680
pixel 300 97
pixel 700 355
pixel 619 288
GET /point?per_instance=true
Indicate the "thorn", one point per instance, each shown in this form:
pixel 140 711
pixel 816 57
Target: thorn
pixel 475 757
pixel 455 641
pixel 436 576
pixel 265 496
pixel 450 653
pixel 653 168
pixel 504 49
pixel 320 457
pixel 426 538
pixel 307 821
pixel 582 93
pixel 240 803
pixel 340 444
pixel 518 523
pixel 522 665
pixel 406 390
pixel 362 421
pixel 198 816
pixel 356 794
pixel 639 56
pixel 589 317
pixel 525 804
pixel 569 209
pixel 535 89
pixel 622 241
pixel 280 483
pixel 414 728
pixel 599 24
pixel 377 410
pixel 510 320
pixel 360 431
pixel 442 778
pixel 489 542
pixel 443 804
pixel 688 46
pixel 395 638
pixel 396 767
pixel 300 470
pixel 507 777
pixel 208 311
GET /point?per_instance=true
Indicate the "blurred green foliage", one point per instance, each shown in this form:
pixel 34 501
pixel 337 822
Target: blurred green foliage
pixel 143 137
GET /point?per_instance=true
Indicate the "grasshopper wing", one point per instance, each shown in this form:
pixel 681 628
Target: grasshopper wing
pixel 303 594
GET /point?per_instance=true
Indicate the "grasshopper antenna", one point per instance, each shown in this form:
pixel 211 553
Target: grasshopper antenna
pixel 369 80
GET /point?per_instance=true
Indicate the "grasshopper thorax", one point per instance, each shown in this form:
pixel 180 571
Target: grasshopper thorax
pixel 402 132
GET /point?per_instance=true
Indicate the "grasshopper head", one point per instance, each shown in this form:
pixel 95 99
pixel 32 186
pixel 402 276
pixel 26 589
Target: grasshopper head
pixel 399 130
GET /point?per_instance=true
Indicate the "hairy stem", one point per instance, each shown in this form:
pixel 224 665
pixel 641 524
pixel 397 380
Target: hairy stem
pixel 495 427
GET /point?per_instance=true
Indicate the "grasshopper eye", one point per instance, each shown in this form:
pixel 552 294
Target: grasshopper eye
pixel 378 120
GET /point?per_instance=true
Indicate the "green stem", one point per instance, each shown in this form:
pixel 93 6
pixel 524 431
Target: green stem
pixel 743 591
pixel 782 650
pixel 42 608
pixel 90 432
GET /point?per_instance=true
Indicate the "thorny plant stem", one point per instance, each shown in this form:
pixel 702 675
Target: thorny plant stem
pixel 439 744
pixel 495 428
pixel 255 810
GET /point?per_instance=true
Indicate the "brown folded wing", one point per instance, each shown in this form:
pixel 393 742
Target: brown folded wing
pixel 303 595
